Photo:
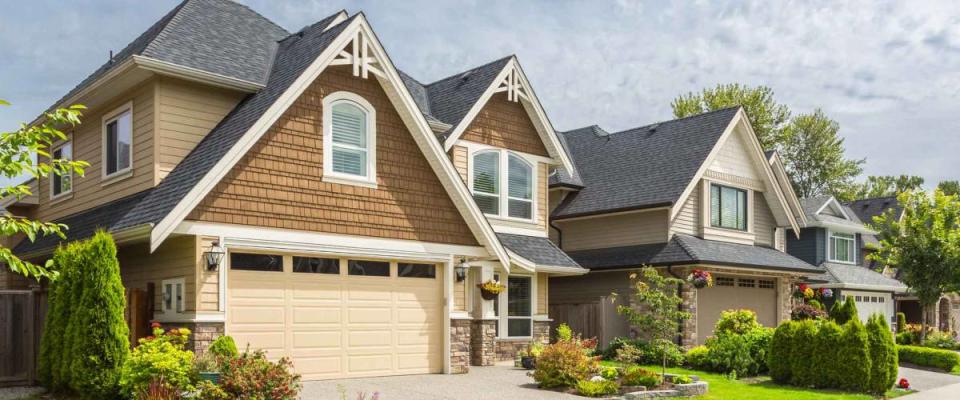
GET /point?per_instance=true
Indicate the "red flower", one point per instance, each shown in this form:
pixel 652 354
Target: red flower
pixel 903 384
pixel 154 325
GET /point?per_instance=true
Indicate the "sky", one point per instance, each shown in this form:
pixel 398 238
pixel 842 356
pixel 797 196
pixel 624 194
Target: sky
pixel 888 72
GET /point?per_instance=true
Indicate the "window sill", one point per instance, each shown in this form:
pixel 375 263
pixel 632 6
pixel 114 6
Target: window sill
pixel 116 177
pixel 509 219
pixel 728 235
pixel 60 198
pixel 342 180
pixel 842 262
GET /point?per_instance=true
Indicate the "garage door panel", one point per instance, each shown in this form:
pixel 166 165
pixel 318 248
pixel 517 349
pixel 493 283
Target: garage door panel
pixel 322 315
pixel 416 337
pixel 272 342
pixel 367 315
pixel 369 338
pixel 417 315
pixel 247 314
pixel 379 292
pixel 316 291
pixel 317 340
pixel 712 301
pixel 379 363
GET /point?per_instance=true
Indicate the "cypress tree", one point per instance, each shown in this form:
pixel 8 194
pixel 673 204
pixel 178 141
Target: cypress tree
pixel 781 349
pixel 804 371
pixel 901 322
pixel 853 357
pixel 824 355
pixel 54 327
pixel 836 311
pixel 850 310
pixel 98 328
pixel 883 355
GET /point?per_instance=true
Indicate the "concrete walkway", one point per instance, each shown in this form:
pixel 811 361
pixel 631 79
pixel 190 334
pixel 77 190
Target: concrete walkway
pixel 940 393
pixel 923 380
pixel 498 382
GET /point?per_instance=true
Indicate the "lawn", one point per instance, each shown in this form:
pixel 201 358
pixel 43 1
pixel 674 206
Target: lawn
pixel 762 388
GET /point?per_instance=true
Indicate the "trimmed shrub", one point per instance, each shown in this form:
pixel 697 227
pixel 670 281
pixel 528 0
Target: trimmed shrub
pixel 697 357
pixel 745 354
pixel 901 322
pixel 162 358
pixel 609 373
pixel 563 364
pixel 883 355
pixel 804 372
pixel 780 358
pixel 736 322
pixel 53 346
pixel 252 376
pixel 837 313
pixel 636 351
pixel 823 355
pixel 223 347
pixel 636 376
pixel 597 388
pixel 905 338
pixel 564 333
pixel 854 351
pixel 946 360
pixel 100 333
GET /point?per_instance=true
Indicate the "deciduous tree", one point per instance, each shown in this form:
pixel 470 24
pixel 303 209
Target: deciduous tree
pixel 655 308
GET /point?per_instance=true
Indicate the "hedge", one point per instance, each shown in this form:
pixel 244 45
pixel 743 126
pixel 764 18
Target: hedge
pixel 946 360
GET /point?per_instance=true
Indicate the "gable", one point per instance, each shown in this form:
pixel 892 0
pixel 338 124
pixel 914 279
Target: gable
pixel 278 182
pixel 504 123
pixel 735 159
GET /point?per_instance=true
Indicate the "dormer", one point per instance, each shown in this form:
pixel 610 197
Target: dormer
pixel 833 233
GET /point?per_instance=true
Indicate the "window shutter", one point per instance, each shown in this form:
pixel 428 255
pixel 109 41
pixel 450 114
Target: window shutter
pixel 349 130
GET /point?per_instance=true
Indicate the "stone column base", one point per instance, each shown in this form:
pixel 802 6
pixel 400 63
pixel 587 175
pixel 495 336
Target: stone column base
pixel 460 346
pixel 483 335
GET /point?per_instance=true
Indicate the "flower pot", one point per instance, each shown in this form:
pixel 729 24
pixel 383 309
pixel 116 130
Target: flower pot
pixel 528 362
pixel 700 284
pixel 488 295
pixel 212 377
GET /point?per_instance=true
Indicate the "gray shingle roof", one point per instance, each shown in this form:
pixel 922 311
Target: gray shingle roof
pixel 642 167
pixel 866 209
pixel 562 177
pixel 810 206
pixel 293 56
pixel 685 249
pixel 83 224
pixel 217 36
pixel 540 250
pixel 840 274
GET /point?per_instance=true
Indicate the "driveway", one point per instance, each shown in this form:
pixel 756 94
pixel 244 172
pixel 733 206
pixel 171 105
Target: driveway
pixel 922 379
pixel 497 382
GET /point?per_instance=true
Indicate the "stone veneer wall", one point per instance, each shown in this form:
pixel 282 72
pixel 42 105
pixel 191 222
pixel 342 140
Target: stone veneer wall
pixel 483 336
pixel 460 346
pixel 202 334
pixel 507 349
pixel 688 336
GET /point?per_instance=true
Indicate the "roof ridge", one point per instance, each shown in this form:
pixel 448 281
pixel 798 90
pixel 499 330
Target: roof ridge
pixel 328 19
pixel 458 74
pixel 161 34
pixel 873 198
pixel 670 121
pixel 261 15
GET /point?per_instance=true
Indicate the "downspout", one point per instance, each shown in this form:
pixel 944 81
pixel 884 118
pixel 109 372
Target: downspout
pixel 559 234
pixel 679 339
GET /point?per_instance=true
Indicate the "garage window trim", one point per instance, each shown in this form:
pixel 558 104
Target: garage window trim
pixel 414 270
pixel 842 247
pixel 256 262
pixel 316 265
pixel 368 268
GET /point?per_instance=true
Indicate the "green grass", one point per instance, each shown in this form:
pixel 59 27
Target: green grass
pixel 758 388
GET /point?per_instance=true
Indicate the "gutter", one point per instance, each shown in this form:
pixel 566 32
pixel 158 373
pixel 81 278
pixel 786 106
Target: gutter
pixel 194 74
pixel 123 236
pixel 614 210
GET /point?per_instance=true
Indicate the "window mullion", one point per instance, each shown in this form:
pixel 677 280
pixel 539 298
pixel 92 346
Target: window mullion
pixel 504 183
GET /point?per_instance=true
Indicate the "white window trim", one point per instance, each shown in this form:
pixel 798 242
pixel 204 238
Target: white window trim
pixel 748 209
pixel 853 249
pixel 108 118
pixel 173 302
pixel 504 181
pixel 68 193
pixel 369 181
pixel 503 318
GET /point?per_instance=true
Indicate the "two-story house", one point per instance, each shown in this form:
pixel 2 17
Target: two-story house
pixel 691 193
pixel 834 238
pixel 355 208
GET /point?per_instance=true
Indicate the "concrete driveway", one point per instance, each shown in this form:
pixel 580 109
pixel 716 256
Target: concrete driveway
pixel 501 382
pixel 923 380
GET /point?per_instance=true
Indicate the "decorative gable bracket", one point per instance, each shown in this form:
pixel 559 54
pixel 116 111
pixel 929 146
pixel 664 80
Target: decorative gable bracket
pixel 361 57
pixel 513 85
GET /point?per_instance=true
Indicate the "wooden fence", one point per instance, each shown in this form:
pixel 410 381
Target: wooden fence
pixel 22 313
pixel 596 317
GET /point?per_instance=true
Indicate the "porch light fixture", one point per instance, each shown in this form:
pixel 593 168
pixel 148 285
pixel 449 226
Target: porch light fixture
pixel 213 256
pixel 461 270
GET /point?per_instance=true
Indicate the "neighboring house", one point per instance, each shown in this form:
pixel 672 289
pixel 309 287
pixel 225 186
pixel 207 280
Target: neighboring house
pixel 945 315
pixel 833 238
pixel 357 208
pixel 692 193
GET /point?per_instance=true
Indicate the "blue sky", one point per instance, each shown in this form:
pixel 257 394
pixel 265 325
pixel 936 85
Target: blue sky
pixel 889 72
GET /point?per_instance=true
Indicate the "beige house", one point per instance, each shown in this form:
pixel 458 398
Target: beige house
pixel 356 208
pixel 692 193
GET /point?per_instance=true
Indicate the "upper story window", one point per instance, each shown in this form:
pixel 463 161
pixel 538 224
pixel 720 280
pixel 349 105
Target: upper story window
pixel 61 184
pixel 118 141
pixel 842 247
pixel 349 140
pixel 496 172
pixel 728 207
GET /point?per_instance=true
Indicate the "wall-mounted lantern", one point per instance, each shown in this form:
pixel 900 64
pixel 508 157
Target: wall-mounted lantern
pixel 461 270
pixel 213 256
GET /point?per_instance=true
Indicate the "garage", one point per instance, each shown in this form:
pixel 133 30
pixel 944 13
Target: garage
pixel 734 293
pixel 337 317
pixel 869 303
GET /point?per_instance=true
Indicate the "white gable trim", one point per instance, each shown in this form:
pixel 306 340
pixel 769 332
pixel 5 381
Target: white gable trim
pixel 401 99
pixel 754 143
pixel 776 164
pixel 835 206
pixel 514 82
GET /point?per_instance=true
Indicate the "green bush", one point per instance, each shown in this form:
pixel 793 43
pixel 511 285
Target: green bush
pixel 223 347
pixel 597 388
pixel 681 380
pixel 946 360
pixel 883 355
pixel 804 372
pixel 905 338
pixel 782 346
pixel 854 351
pixel 98 328
pixel 697 357
pixel 252 376
pixel 52 343
pixel 160 357
pixel 901 322
pixel 841 312
pixel 642 352
pixel 636 376
pixel 737 322
pixel 564 333
pixel 744 354
pixel 609 373
pixel 563 364
pixel 940 340
pixel 823 355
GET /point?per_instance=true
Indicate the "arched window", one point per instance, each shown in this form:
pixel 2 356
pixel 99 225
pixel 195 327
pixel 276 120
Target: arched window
pixel 349 140
pixel 486 181
pixel 519 188
pixel 496 172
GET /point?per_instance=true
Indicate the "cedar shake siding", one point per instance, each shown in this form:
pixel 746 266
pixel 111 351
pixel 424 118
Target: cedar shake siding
pixel 505 124
pixel 278 182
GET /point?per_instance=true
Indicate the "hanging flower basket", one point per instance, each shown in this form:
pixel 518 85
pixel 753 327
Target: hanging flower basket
pixel 489 290
pixel 700 279
pixel 801 291
pixel 826 293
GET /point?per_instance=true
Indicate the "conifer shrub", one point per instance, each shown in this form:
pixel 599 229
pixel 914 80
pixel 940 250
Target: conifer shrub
pixel 824 355
pixel 853 355
pixel 53 346
pixel 223 347
pixel 804 373
pixel 98 329
pixel 901 322
pixel 781 352
pixel 883 355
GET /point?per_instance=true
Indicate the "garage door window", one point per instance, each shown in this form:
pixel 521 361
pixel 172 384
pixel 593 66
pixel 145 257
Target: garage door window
pixel 256 262
pixel 315 265
pixel 368 268
pixel 409 270
pixel 519 321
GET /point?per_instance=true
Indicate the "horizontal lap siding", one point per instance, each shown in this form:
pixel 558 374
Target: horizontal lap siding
pixel 208 289
pixel 278 182
pixel 175 258
pixel 187 113
pixel 764 223
pixel 503 123
pixel 687 220
pixel 614 230
pixel 87 146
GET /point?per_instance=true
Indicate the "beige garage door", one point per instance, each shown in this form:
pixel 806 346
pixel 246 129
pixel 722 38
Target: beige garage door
pixel 338 318
pixel 729 293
